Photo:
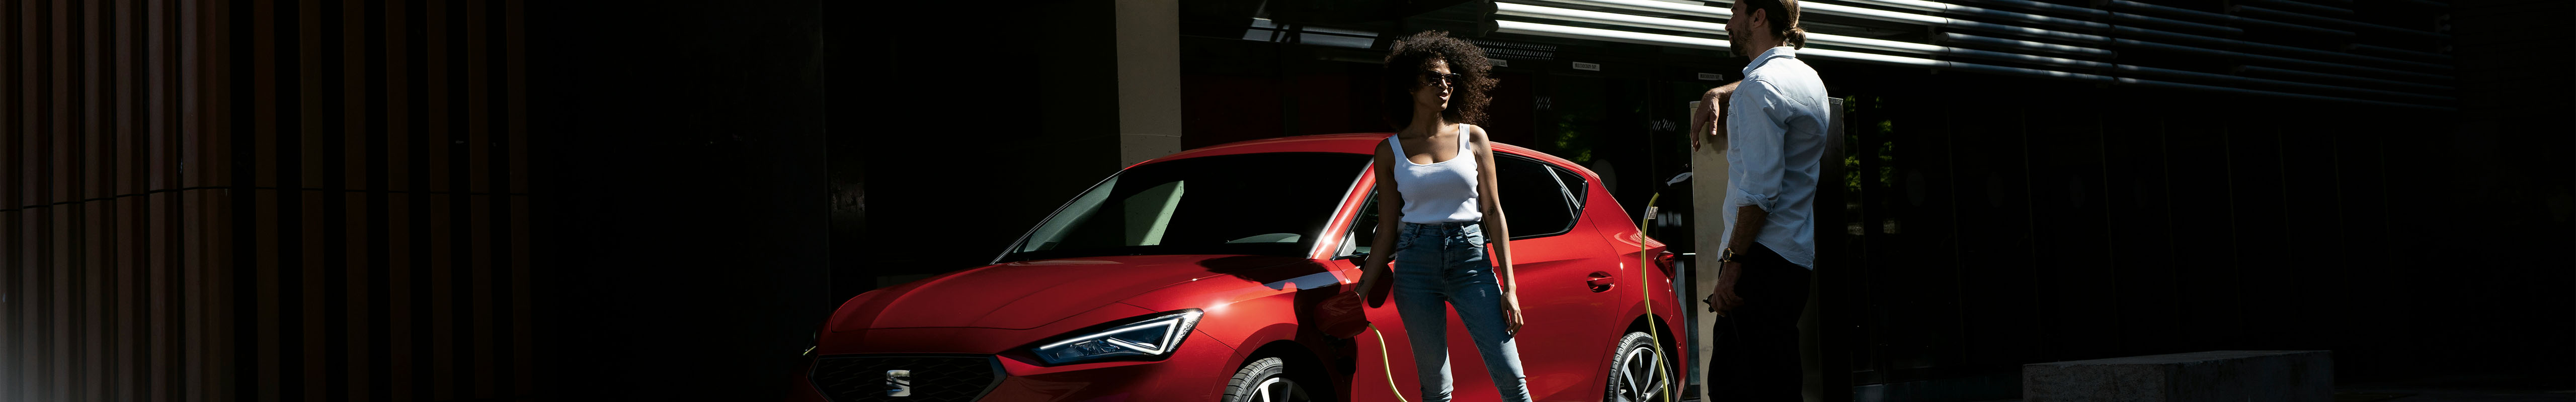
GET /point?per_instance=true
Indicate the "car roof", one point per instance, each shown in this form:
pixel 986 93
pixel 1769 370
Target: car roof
pixel 1353 143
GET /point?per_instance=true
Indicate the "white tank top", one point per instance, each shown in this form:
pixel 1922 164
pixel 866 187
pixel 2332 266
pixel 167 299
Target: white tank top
pixel 1438 192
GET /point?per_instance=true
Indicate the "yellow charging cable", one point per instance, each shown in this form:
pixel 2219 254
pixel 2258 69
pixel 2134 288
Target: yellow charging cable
pixel 1643 295
pixel 1390 364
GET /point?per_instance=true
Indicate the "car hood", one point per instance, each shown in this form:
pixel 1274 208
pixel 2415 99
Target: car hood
pixel 1029 295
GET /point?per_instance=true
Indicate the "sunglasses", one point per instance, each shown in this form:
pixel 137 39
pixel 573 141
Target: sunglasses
pixel 1443 79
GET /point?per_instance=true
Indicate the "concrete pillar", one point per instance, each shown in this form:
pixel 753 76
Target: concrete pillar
pixel 1149 79
pixel 1708 200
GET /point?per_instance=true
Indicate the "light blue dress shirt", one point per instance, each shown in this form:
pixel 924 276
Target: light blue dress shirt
pixel 1775 142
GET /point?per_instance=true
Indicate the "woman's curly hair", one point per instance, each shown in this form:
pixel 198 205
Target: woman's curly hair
pixel 1407 58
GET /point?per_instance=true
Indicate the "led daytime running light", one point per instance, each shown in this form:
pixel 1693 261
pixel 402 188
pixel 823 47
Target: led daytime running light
pixel 1173 328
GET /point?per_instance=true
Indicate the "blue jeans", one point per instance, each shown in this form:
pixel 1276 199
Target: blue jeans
pixel 1445 262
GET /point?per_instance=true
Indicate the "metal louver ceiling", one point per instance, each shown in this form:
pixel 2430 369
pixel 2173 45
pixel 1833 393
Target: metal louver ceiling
pixel 2191 50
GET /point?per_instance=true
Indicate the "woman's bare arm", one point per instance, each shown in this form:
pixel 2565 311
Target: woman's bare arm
pixel 1498 232
pixel 1390 213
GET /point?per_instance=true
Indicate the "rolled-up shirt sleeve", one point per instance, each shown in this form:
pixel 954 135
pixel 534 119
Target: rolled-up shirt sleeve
pixel 1755 135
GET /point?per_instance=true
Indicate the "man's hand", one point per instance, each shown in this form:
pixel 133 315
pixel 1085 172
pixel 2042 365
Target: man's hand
pixel 1723 299
pixel 1712 116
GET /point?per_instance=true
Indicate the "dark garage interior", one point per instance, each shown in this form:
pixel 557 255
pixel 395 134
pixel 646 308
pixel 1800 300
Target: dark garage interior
pixel 471 200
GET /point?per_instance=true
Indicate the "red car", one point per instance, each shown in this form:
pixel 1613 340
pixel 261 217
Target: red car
pixel 1196 277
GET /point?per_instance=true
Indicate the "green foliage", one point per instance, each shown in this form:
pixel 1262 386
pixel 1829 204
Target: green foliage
pixel 1856 146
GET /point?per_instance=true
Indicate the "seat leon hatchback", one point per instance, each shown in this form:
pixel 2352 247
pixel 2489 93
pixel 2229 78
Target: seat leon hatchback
pixel 1202 276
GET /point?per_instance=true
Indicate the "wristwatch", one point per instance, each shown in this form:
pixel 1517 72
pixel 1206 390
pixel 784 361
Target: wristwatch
pixel 1726 256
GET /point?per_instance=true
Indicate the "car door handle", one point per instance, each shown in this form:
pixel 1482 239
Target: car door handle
pixel 1600 281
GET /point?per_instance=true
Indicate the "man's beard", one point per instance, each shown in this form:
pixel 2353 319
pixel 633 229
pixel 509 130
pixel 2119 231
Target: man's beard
pixel 1735 44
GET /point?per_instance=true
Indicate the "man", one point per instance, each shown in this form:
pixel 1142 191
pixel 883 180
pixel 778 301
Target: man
pixel 1774 126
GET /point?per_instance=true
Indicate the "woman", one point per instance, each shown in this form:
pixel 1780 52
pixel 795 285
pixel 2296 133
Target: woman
pixel 1442 210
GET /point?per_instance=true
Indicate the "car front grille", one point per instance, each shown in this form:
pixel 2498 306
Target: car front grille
pixel 934 378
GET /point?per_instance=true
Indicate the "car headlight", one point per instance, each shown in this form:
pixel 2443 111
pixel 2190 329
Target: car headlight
pixel 1149 338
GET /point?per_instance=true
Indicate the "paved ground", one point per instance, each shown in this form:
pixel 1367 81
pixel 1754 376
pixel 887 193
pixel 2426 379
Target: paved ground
pixel 2350 394
pixel 2403 394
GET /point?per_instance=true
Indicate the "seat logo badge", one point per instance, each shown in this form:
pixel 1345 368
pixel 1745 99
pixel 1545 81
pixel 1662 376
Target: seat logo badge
pixel 898 382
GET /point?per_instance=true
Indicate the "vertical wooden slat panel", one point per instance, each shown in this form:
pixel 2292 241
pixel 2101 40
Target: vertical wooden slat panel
pixel 25 48
pixel 92 254
pixel 59 177
pixel 442 296
pixel 434 41
pixel 161 297
pixel 12 369
pixel 207 337
pixel 355 98
pixel 400 307
pixel 156 44
pixel 26 51
pixel 77 107
pixel 63 173
pixel 94 210
pixel 60 259
pixel 522 317
pixel 308 44
pixel 360 272
pixel 314 371
pixel 434 163
pixel 12 179
pixel 477 169
pixel 478 133
pixel 354 142
pixel 90 71
pixel 481 250
pixel 132 317
pixel 523 328
pixel 124 95
pixel 410 364
pixel 89 252
pixel 262 299
pixel 163 244
pixel 263 288
pixel 262 47
pixel 198 55
pixel 133 169
pixel 162 321
pixel 397 95
pixel 311 106
pixel 13 326
pixel 204 155
pixel 30 291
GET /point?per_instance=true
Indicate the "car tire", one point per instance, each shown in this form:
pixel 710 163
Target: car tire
pixel 1265 380
pixel 1632 371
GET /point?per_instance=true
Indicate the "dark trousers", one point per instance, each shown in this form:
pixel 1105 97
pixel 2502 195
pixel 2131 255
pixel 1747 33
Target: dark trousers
pixel 1753 350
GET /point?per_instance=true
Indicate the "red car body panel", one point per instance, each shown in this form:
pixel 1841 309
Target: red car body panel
pixel 1260 306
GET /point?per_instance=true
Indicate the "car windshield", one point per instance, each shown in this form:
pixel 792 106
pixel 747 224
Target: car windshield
pixel 1254 204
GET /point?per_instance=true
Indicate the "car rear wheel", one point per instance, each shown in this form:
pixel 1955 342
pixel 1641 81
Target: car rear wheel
pixel 1265 380
pixel 1632 371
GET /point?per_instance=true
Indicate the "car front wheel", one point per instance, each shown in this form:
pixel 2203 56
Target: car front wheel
pixel 1265 380
pixel 1632 371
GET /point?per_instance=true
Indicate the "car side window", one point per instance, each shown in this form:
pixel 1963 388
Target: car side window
pixel 1541 200
pixel 1537 198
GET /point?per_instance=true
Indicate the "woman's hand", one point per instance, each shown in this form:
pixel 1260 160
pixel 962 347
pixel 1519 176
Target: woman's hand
pixel 1511 312
pixel 1371 272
